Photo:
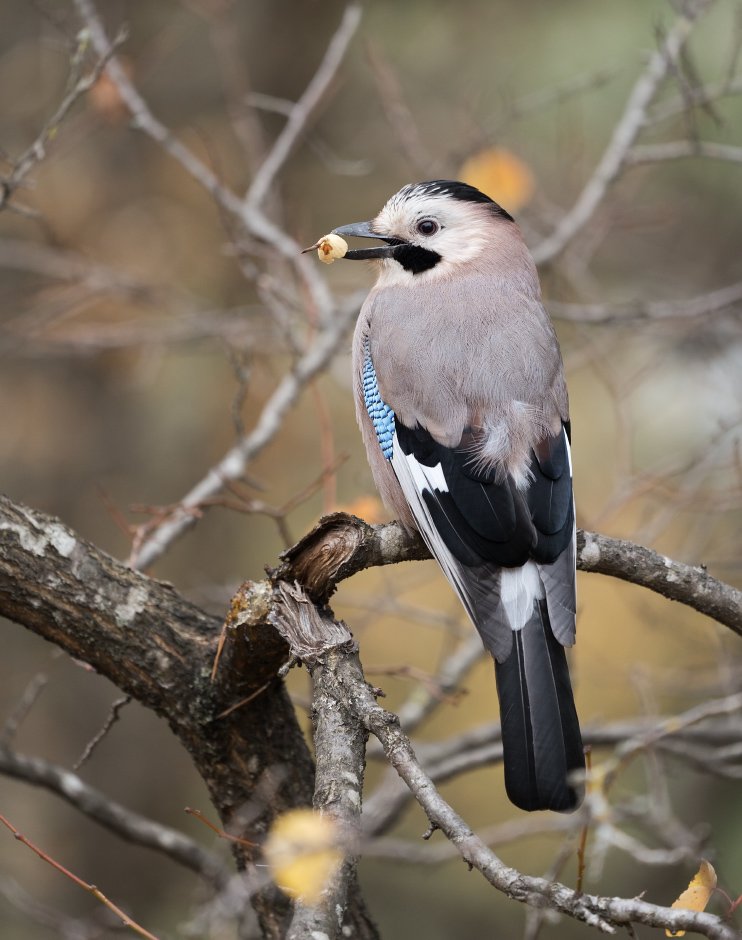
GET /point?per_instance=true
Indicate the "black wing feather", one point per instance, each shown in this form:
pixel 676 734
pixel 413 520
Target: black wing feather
pixel 485 519
pixel 478 518
pixel 486 523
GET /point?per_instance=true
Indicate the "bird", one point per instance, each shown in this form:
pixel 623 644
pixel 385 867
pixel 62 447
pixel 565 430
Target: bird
pixel 463 409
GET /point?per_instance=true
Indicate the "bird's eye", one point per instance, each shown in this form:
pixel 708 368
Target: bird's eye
pixel 427 227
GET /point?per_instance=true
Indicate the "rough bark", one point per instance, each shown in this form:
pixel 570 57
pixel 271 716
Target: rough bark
pixel 159 648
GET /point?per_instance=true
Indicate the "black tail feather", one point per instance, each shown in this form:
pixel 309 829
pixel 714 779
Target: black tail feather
pixel 541 738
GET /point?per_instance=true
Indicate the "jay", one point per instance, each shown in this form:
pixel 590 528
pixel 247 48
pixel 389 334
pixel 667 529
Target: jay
pixel 462 405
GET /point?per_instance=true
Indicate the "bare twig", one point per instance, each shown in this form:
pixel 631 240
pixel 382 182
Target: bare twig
pixel 65 927
pixel 21 709
pixel 603 913
pixel 583 833
pixel 111 719
pixel 234 463
pixel 334 162
pixel 726 706
pixel 715 301
pixel 624 134
pixel 400 118
pixel 679 149
pixel 711 749
pixel 255 221
pixel 77 86
pixel 90 888
pixel 304 107
pixel 335 322
pixel 222 833
pixel 117 818
pixel 699 97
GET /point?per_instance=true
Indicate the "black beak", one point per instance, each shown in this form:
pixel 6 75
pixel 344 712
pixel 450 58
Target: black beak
pixel 363 230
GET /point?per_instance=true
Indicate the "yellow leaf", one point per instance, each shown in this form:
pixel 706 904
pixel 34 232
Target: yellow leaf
pixel 303 851
pixel 501 175
pixel 105 98
pixel 696 895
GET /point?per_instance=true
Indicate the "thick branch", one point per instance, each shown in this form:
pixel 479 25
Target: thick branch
pixel 688 584
pixel 159 648
pixel 240 728
pixel 340 748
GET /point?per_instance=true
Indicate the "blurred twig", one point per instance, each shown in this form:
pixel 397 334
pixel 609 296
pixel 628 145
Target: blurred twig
pixel 78 84
pixel 699 97
pixel 715 301
pixel 603 913
pixel 127 824
pixel 334 321
pixel 678 149
pixel 400 118
pixel 300 113
pixel 113 716
pixel 63 926
pixel 625 133
pixel 254 220
pixel 22 707
pixel 90 888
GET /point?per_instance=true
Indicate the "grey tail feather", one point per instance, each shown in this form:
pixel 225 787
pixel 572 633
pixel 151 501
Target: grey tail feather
pixel 541 739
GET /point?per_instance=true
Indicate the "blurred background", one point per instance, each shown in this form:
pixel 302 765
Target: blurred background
pixel 141 332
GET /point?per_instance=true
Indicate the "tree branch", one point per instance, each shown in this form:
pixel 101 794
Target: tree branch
pixel 160 649
pixel 77 86
pixel 149 641
pixel 302 110
pixel 715 301
pixel 604 913
pixel 154 645
pixel 687 584
pixel 340 748
pixel 341 545
pixel 712 749
pixel 233 464
pixel 624 134
pixel 124 822
pixel 680 149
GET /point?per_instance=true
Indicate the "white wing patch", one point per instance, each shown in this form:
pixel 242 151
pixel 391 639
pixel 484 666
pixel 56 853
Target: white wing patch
pixel 413 477
pixel 519 589
pixel 430 478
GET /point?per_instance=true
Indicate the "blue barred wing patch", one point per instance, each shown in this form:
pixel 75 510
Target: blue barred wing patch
pixel 382 416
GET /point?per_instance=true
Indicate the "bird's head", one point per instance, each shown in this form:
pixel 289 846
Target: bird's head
pixel 430 229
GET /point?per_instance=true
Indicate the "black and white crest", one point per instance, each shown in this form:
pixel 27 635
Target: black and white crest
pixel 455 189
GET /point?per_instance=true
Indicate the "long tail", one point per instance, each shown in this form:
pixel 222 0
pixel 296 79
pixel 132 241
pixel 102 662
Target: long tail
pixel 541 739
